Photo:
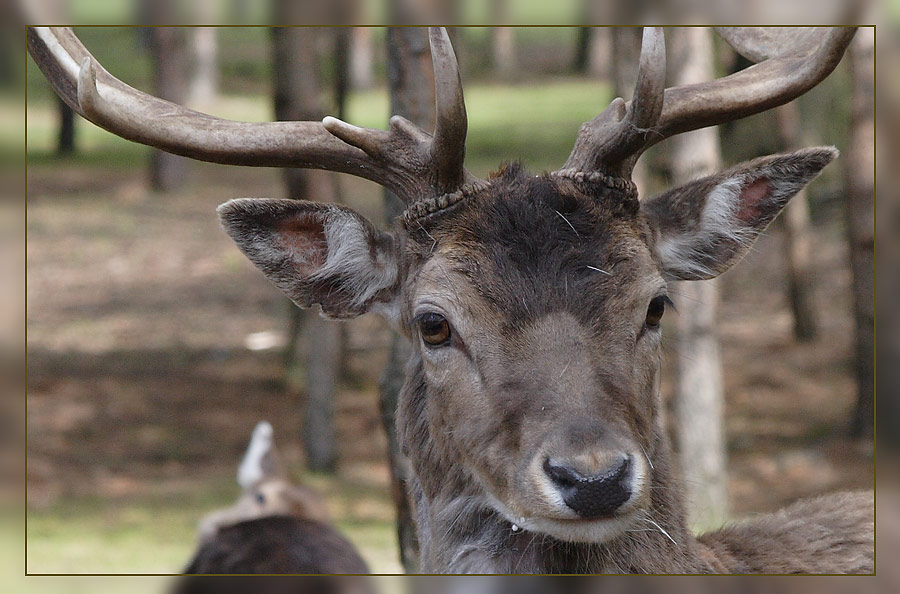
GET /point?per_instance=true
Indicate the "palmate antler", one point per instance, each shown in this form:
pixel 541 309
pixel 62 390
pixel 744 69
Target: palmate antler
pixel 791 62
pixel 405 159
pixel 427 170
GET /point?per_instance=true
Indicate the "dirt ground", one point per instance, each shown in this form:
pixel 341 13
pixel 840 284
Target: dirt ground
pixel 139 378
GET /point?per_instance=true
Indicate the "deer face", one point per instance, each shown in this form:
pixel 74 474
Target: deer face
pixel 535 320
pixel 534 310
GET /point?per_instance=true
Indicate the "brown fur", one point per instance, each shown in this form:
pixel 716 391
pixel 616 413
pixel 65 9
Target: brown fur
pixel 545 282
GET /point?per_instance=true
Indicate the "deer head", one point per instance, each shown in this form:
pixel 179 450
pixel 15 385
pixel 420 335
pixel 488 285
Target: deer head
pixel 533 302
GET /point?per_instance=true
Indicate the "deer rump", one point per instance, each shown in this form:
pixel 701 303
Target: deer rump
pixel 277 545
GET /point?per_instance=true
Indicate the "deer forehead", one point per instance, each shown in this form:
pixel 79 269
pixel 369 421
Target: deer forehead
pixel 524 249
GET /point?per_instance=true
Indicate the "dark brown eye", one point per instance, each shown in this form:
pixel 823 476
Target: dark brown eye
pixel 435 329
pixel 656 310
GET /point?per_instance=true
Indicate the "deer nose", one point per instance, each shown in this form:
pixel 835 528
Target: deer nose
pixel 591 496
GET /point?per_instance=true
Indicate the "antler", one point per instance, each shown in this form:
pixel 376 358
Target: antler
pixel 792 61
pixel 405 159
pixel 622 128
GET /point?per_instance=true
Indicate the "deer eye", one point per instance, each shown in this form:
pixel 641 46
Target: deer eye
pixel 655 311
pixel 260 498
pixel 435 329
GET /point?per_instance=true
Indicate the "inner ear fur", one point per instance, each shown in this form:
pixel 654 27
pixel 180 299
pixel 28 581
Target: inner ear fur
pixel 704 227
pixel 316 253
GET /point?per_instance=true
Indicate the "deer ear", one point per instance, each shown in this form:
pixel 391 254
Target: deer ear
pixel 261 461
pixel 703 228
pixel 317 253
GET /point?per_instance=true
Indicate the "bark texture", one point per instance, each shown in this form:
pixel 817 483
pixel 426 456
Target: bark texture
pixel 798 242
pixel 860 163
pixel 297 98
pixel 168 172
pixel 699 403
pixel 65 144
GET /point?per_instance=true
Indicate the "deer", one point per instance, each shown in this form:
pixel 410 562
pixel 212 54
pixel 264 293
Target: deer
pixel 533 303
pixel 276 525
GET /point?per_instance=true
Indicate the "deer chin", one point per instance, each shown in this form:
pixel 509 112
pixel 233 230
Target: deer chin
pixel 548 513
pixel 597 531
pixel 574 529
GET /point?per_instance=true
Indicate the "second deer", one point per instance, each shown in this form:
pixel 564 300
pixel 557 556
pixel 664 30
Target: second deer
pixel 276 526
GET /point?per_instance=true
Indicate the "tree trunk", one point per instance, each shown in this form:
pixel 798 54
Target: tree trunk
pixel 600 53
pixel 362 58
pixel 411 84
pixel 66 140
pixel 204 86
pixel 797 237
pixel 323 360
pixel 503 51
pixel 168 172
pixel 343 38
pixel 297 98
pixel 583 49
pixel 698 405
pixel 503 42
pixel 860 163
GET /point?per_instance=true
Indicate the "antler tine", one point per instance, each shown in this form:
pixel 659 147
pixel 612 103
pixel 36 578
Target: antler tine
pixel 449 143
pixel 606 142
pixel 647 102
pixel 794 62
pixel 788 72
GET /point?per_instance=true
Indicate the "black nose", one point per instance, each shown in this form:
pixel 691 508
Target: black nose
pixel 593 496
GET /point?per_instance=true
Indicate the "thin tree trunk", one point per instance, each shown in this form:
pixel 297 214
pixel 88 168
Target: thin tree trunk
pixel 600 53
pixel 583 49
pixel 698 406
pixel 503 51
pixel 594 54
pixel 322 363
pixel 343 39
pixel 860 163
pixel 888 249
pixel 297 98
pixel 503 42
pixel 410 80
pixel 168 172
pixel 66 140
pixel 797 236
pixel 204 85
pixel 362 58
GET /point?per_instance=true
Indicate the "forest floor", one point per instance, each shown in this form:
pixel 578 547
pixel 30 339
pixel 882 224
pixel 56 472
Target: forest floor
pixel 142 393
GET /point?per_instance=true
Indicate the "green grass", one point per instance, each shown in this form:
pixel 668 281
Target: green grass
pixel 373 11
pixel 155 532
